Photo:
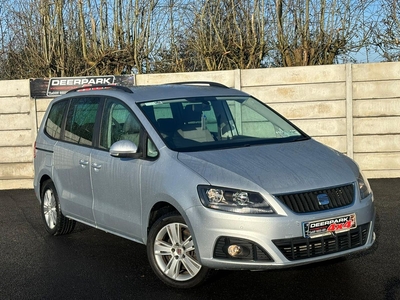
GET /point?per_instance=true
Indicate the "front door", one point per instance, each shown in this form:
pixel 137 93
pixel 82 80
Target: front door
pixel 116 181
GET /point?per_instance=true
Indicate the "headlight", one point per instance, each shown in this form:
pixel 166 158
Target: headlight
pixel 237 201
pixel 364 187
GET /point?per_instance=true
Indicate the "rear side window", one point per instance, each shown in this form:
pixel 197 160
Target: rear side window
pixel 81 117
pixel 54 121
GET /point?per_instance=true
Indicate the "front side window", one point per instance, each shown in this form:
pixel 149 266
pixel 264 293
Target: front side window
pixel 194 124
pixel 119 123
pixel 79 127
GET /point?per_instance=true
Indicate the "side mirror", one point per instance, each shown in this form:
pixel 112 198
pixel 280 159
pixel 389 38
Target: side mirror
pixel 124 149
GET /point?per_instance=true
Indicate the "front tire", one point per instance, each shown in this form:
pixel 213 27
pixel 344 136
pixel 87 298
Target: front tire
pixel 171 253
pixel 54 221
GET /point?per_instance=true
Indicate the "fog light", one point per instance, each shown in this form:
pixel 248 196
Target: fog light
pixel 238 251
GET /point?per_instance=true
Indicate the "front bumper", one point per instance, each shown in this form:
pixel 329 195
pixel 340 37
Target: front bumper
pixel 277 239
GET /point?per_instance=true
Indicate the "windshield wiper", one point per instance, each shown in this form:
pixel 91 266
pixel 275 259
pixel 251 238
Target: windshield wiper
pixel 300 138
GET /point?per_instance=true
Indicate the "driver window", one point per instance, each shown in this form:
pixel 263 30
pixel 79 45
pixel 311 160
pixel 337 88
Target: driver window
pixel 119 123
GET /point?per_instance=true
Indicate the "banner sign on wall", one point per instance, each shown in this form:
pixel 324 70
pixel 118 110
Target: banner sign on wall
pixel 60 85
pixel 56 86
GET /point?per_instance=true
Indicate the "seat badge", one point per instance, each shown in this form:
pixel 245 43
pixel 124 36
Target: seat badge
pixel 323 199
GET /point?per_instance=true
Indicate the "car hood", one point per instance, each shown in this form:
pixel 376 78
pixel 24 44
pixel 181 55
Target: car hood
pixel 276 168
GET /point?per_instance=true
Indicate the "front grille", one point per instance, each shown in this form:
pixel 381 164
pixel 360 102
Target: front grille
pixel 302 248
pixel 308 202
pixel 256 253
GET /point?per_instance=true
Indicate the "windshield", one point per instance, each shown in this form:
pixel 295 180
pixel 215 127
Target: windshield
pixel 202 123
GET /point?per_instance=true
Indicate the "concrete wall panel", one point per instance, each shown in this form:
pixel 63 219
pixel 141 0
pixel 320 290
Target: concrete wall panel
pixel 292 75
pixel 17 154
pixel 381 173
pixel 376 89
pixel 15 138
pixel 224 77
pixel 368 126
pixel 40 116
pixel 377 108
pixel 14 105
pixel 16 170
pixel 298 93
pixel 376 71
pixel 42 104
pixel 15 121
pixel 18 183
pixel 322 127
pixel 311 110
pixel 14 88
pixel 378 161
pixel 377 143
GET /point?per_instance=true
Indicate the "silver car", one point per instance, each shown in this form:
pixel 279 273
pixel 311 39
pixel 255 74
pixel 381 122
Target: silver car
pixel 207 177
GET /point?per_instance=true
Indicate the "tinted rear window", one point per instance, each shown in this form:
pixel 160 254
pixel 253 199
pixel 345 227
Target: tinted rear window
pixel 54 121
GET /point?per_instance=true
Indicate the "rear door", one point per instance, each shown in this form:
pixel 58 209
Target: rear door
pixel 72 169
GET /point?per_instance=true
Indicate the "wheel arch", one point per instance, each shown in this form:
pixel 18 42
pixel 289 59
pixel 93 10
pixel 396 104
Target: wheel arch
pixel 159 209
pixel 162 208
pixel 43 179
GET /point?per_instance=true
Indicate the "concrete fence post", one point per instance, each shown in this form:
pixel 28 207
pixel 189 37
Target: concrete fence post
pixel 349 111
pixel 238 79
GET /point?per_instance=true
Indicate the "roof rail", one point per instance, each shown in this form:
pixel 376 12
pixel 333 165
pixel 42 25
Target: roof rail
pixel 209 83
pixel 101 87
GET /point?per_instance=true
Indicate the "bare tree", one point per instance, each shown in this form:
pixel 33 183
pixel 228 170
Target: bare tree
pixel 230 34
pixel 47 38
pixel 313 32
pixel 129 45
pixel 213 35
pixel 387 35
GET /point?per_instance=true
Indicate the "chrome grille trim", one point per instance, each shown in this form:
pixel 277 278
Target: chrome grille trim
pixel 305 202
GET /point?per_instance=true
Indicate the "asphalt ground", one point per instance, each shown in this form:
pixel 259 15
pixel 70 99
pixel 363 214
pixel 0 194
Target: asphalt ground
pixel 91 264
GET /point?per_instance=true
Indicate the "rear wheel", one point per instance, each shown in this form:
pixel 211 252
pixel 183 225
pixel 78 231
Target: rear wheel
pixel 171 253
pixel 55 222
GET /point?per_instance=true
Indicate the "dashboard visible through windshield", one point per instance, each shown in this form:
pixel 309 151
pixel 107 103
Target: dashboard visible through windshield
pixel 205 123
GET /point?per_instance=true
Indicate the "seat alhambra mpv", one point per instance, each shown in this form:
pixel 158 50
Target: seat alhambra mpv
pixel 207 177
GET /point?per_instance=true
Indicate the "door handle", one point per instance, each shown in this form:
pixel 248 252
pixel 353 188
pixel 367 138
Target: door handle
pixel 83 163
pixel 96 166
